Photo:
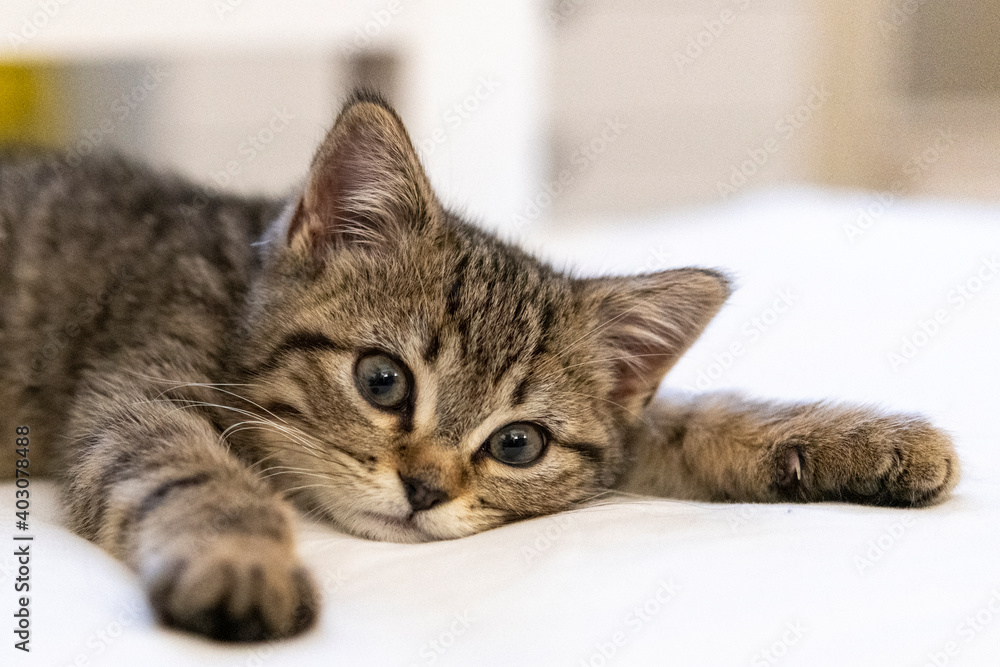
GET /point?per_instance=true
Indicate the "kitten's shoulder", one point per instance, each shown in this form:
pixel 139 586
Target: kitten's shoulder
pixel 111 181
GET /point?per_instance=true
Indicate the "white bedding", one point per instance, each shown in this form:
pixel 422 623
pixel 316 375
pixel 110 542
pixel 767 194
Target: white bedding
pixel 819 309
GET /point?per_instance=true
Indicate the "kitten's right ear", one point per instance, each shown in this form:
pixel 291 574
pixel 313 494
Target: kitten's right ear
pixel 646 323
pixel 366 186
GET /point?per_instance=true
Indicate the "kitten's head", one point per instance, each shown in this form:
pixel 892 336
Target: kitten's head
pixel 425 380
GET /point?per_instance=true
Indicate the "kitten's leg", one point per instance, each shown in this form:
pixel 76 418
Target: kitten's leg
pixel 212 544
pixel 723 447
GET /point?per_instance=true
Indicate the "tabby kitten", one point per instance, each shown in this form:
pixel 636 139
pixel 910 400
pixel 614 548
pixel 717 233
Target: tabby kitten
pixel 193 364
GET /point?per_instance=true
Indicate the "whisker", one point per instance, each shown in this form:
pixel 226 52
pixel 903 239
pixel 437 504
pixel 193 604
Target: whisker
pixel 596 330
pixel 224 391
pixel 639 417
pixel 625 358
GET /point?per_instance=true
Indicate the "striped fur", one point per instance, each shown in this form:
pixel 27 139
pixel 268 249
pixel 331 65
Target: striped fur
pixel 193 384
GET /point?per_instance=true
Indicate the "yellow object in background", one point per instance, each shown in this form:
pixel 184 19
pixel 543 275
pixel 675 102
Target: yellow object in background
pixel 28 112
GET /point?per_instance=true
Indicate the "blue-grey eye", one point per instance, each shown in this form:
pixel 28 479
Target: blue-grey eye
pixel 382 380
pixel 517 444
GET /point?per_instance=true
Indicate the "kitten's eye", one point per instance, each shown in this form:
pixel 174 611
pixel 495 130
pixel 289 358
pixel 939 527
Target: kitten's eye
pixel 517 444
pixel 382 380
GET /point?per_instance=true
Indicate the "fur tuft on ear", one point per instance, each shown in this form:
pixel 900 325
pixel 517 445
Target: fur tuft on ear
pixel 366 186
pixel 647 322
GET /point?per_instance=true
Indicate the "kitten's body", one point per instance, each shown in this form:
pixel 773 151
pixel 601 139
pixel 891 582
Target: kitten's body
pixel 93 260
pixel 176 365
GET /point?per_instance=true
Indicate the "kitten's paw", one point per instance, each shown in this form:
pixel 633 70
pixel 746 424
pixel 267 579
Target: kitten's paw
pixel 889 461
pixel 238 588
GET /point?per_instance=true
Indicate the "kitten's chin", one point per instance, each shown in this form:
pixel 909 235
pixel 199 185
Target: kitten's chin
pixel 382 528
pixel 386 528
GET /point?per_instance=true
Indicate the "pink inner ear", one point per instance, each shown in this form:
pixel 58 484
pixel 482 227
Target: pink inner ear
pixel 643 349
pixel 648 321
pixel 347 188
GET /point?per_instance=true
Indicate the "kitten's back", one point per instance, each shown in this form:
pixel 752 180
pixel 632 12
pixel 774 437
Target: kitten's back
pixel 89 254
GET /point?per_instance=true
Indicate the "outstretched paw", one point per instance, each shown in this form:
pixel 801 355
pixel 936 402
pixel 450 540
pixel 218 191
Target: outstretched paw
pixel 891 461
pixel 234 588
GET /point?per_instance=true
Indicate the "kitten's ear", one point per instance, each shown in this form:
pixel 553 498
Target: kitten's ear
pixel 366 186
pixel 647 322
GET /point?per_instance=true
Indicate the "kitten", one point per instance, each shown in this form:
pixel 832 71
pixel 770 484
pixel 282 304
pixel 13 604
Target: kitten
pixel 373 359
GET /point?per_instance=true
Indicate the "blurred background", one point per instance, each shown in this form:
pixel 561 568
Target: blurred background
pixel 527 110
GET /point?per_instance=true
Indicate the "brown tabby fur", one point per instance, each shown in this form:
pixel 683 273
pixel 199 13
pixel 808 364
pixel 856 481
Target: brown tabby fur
pixel 189 382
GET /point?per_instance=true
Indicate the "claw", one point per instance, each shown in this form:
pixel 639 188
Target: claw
pixel 794 464
pixel 790 472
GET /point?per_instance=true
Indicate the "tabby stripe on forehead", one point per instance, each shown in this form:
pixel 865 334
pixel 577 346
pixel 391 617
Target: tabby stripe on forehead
pixel 505 365
pixel 305 341
pixel 548 316
pixel 452 302
pixel 433 348
pixel 517 398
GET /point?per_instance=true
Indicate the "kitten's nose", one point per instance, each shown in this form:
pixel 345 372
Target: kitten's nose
pixel 421 495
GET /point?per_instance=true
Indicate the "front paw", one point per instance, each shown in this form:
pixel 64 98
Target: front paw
pixel 892 461
pixel 233 588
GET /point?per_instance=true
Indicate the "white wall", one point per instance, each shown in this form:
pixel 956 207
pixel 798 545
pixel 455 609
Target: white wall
pixel 470 83
pixel 698 88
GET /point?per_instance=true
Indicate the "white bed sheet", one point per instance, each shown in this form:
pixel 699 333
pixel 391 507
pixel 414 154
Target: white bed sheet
pixel 822 302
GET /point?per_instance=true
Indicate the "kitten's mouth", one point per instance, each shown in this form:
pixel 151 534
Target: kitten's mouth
pixel 400 529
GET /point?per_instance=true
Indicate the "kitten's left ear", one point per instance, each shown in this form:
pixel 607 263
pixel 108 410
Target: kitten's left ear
pixel 647 322
pixel 366 186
